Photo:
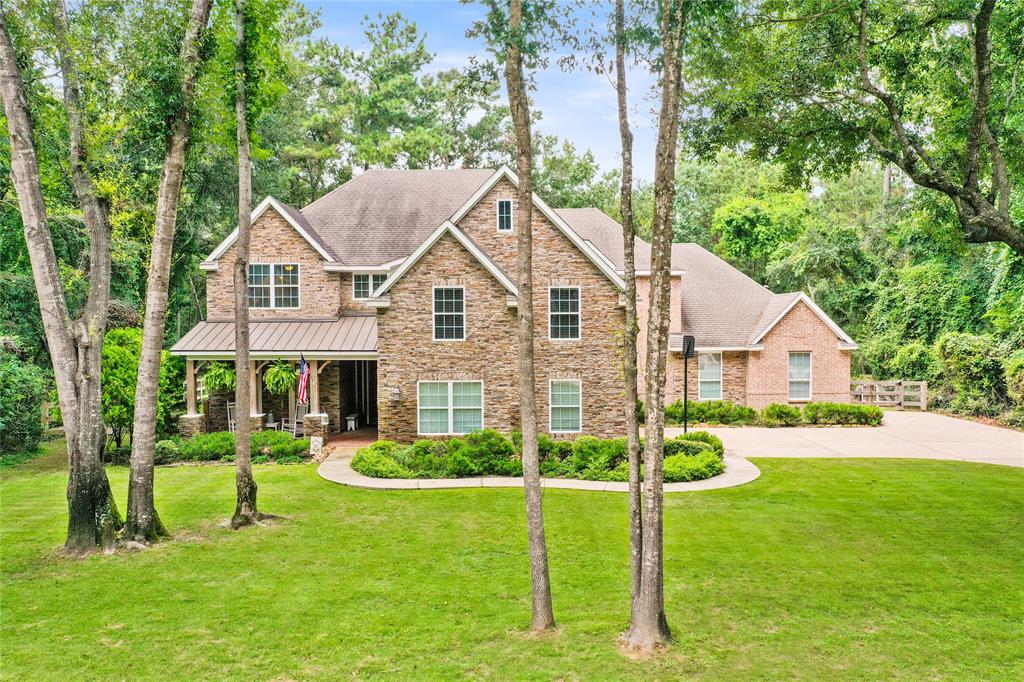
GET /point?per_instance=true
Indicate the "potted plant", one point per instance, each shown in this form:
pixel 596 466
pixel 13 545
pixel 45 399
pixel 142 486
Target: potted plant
pixel 219 376
pixel 279 377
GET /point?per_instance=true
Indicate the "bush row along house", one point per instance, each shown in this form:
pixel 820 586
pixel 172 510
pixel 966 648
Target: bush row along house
pixel 399 288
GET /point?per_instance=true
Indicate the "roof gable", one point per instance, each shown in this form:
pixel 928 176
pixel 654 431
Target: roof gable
pixel 593 255
pixel 447 227
pixel 292 216
pixel 769 322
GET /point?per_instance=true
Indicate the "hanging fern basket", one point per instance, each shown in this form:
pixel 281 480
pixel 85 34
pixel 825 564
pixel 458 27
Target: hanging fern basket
pixel 280 377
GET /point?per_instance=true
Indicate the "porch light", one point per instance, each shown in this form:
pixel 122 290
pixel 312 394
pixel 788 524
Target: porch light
pixel 396 395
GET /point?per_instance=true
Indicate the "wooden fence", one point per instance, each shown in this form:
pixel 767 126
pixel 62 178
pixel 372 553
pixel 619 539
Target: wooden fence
pixel 899 395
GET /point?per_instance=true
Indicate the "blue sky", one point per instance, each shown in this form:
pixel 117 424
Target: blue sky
pixel 578 106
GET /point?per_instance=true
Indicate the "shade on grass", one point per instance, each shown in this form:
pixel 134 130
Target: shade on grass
pixel 821 569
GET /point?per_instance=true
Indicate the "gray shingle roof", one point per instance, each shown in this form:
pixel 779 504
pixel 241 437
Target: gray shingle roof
pixel 721 306
pixel 383 215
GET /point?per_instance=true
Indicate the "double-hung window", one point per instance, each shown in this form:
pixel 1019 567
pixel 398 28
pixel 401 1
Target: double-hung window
pixel 564 313
pixel 363 284
pixel 449 313
pixel 504 215
pixel 565 406
pixel 799 376
pixel 709 376
pixel 274 285
pixel 450 407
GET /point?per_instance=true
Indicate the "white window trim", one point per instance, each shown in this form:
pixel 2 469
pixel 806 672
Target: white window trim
pixel 551 409
pixel 451 406
pixel 511 216
pixel 721 377
pixel 579 291
pixel 433 315
pixel 370 275
pixel 273 287
pixel 810 377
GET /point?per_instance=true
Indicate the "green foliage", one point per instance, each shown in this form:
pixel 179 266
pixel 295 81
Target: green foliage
pixel 842 414
pixel 748 232
pixel 710 412
pixel 488 453
pixel 778 414
pixel 696 467
pixel 913 362
pixel 166 451
pixel 23 388
pixel 1013 368
pixel 219 376
pixel 121 349
pixel 973 371
pixel 280 377
pixel 221 446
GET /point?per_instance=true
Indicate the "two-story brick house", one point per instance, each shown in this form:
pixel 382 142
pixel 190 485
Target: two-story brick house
pixel 399 288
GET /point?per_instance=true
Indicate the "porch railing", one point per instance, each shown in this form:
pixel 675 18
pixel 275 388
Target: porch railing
pixel 897 395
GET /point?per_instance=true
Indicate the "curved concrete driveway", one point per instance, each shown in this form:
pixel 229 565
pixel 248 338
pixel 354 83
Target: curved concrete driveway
pixel 338 468
pixel 923 435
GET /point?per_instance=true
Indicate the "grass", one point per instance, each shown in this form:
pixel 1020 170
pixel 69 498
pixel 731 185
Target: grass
pixel 820 569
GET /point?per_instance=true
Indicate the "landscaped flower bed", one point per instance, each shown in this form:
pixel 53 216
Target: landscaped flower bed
pixel 723 412
pixel 694 457
pixel 267 446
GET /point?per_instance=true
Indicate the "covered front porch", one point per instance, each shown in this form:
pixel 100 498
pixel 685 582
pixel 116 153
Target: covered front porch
pixel 341 392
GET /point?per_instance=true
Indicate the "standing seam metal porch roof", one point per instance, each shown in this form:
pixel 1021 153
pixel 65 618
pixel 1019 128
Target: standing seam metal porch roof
pixel 348 334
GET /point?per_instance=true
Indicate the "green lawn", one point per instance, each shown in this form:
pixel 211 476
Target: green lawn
pixel 821 569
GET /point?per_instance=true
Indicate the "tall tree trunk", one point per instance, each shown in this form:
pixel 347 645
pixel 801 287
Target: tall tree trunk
pixel 246 512
pixel 543 616
pixel 76 346
pixel 143 523
pixel 649 627
pixel 629 359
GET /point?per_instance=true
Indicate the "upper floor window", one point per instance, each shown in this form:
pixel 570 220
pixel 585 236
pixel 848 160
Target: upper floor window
pixel 364 285
pixel 799 376
pixel 274 285
pixel 709 371
pixel 564 313
pixel 449 313
pixel 504 215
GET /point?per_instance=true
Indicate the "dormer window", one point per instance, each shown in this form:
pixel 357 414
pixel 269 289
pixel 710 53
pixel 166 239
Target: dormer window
pixel 504 215
pixel 365 284
pixel 274 285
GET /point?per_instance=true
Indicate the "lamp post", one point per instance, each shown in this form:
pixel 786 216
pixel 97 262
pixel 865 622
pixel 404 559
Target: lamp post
pixel 688 352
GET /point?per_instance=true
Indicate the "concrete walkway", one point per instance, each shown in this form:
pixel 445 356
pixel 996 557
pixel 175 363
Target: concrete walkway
pixel 338 468
pixel 922 435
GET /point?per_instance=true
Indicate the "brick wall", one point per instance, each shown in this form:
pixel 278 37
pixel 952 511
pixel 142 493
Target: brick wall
pixel 734 377
pixel 276 241
pixel 800 330
pixel 408 352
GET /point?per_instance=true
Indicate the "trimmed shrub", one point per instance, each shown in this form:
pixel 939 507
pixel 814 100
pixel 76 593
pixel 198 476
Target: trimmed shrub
pixel 221 446
pixel 696 467
pixel 165 452
pixel 778 414
pixel 710 412
pixel 842 414
pixel 682 446
pixel 379 463
pixel 260 459
pixel 208 446
pixel 704 437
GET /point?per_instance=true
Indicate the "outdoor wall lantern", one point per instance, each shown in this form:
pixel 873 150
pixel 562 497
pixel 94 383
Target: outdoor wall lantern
pixel 396 395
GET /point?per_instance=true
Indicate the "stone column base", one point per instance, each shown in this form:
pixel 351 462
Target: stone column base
pixel 191 424
pixel 257 422
pixel 315 425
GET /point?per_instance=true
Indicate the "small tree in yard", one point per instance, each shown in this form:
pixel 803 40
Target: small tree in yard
pixel 120 371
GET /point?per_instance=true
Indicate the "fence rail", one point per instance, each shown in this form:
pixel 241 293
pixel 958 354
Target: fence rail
pixel 899 395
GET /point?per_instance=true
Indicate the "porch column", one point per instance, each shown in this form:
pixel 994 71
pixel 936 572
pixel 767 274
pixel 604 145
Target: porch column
pixel 314 387
pixel 254 389
pixel 190 386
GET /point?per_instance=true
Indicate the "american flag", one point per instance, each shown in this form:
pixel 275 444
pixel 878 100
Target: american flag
pixel 303 379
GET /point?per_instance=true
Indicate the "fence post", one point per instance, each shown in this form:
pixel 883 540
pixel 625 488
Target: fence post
pixel 924 396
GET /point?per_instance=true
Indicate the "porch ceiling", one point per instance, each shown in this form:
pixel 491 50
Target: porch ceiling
pixel 350 336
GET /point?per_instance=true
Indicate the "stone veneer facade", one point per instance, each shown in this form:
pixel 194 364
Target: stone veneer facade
pixel 408 353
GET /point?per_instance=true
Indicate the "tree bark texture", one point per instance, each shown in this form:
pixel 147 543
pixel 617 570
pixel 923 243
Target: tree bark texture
pixel 76 346
pixel 543 615
pixel 143 523
pixel 648 625
pixel 629 357
pixel 246 512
